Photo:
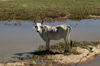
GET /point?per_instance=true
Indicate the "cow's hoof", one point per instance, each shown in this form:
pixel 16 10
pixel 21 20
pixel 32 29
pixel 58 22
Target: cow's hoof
pixel 66 51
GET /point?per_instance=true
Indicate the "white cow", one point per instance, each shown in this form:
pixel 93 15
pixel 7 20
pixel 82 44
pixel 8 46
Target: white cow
pixel 48 33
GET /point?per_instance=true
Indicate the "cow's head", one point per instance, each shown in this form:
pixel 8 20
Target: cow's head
pixel 38 26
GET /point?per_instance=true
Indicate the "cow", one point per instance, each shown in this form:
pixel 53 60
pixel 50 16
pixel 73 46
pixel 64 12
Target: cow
pixel 48 33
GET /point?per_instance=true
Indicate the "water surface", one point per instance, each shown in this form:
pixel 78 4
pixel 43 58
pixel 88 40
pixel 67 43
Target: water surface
pixel 22 38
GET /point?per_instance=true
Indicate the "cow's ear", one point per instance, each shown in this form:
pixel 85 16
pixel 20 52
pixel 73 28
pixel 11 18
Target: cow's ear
pixel 35 27
pixel 41 26
pixel 35 21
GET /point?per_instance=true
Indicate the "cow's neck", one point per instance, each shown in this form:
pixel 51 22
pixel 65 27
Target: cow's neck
pixel 42 35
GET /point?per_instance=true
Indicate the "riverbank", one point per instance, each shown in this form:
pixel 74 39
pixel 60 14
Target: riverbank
pixel 81 53
pixel 47 10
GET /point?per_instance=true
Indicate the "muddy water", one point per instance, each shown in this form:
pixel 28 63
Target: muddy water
pixel 19 38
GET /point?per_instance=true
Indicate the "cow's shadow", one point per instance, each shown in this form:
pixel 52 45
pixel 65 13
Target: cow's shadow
pixel 44 52
pixel 23 53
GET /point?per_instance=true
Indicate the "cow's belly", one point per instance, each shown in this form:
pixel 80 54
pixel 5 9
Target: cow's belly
pixel 55 37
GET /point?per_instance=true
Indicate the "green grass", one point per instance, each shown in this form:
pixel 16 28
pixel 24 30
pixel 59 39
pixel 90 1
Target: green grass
pixel 59 48
pixel 40 9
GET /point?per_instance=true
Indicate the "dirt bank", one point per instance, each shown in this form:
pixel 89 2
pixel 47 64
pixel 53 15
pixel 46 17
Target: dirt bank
pixel 77 59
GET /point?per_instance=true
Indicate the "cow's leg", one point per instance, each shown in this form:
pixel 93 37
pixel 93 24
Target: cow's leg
pixel 66 45
pixel 67 41
pixel 47 45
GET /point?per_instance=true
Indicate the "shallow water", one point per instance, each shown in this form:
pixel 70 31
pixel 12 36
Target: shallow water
pixel 95 62
pixel 23 39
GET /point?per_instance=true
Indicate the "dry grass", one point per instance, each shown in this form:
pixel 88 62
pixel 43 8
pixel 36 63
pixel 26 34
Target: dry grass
pixel 40 9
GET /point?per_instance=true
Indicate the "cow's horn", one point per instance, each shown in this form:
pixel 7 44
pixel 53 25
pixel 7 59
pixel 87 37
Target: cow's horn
pixel 42 22
pixel 35 21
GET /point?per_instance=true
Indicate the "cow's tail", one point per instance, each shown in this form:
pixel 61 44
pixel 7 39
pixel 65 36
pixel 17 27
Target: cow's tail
pixel 70 33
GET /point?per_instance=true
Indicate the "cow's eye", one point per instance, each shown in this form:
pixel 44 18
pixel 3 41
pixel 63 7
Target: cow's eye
pixel 35 26
pixel 41 26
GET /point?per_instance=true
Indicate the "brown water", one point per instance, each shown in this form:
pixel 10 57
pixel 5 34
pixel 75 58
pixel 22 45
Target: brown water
pixel 23 39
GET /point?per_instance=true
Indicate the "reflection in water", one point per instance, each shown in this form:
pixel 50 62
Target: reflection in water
pixel 20 37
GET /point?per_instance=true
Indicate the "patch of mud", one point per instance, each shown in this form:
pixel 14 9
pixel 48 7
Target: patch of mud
pixel 12 64
pixel 5 0
pixel 51 20
pixel 93 16
pixel 24 5
pixel 77 59
pixel 18 64
pixel 13 24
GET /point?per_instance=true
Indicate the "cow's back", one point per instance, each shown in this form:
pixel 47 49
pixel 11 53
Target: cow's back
pixel 57 32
